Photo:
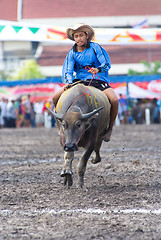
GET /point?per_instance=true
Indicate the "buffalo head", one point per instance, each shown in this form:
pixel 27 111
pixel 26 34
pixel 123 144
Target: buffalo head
pixel 73 125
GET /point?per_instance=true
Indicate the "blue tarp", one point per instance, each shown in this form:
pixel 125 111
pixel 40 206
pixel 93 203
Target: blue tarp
pixel 136 78
pixel 113 79
pixel 28 82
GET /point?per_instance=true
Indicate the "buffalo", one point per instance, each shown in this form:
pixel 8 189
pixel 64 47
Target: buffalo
pixel 82 115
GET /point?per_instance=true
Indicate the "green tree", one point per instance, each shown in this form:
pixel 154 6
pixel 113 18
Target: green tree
pixel 150 68
pixel 30 70
pixel 3 75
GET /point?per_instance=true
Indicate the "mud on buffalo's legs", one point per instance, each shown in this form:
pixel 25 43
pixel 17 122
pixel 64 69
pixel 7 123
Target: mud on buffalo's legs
pixel 82 165
pixel 67 168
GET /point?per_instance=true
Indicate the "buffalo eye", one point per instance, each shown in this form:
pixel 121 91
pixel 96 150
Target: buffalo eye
pixel 78 124
pixel 64 124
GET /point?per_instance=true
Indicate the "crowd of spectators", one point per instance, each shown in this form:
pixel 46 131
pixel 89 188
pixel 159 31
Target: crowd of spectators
pixel 134 110
pixel 22 112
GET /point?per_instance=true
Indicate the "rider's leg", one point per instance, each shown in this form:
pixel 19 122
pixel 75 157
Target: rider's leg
pixel 57 95
pixel 113 112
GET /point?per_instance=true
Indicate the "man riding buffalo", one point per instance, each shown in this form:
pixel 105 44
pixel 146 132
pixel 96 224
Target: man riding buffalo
pixel 88 59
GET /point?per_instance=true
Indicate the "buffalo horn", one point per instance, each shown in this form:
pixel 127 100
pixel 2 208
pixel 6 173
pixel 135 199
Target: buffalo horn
pixel 90 114
pixel 55 114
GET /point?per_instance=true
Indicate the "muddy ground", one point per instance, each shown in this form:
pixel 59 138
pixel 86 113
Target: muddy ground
pixel 121 199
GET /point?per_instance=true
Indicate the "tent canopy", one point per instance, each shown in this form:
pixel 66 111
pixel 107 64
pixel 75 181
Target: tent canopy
pixel 19 31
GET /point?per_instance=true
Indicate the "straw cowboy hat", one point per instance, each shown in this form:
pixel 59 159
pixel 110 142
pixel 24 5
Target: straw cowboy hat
pixel 80 28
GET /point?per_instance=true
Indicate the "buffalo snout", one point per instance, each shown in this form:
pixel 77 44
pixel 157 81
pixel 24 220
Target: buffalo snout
pixel 70 147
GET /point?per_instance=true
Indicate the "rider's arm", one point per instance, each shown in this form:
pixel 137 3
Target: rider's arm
pixel 103 58
pixel 68 68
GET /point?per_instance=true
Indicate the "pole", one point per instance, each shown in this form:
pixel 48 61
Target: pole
pixel 147 116
pixel 1 56
pixel 19 10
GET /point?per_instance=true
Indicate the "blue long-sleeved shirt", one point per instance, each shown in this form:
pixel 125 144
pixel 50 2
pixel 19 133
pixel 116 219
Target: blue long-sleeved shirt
pixel 93 56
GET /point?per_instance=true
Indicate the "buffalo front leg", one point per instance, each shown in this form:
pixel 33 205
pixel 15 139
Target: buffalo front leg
pixel 67 168
pixel 82 166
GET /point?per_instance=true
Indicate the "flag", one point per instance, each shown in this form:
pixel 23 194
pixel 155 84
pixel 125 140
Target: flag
pixel 142 24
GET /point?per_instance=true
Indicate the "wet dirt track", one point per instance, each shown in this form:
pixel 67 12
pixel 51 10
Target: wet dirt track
pixel 121 199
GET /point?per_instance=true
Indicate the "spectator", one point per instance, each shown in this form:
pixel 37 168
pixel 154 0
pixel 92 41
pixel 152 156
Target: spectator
pixel 39 118
pixel 3 105
pixel 20 113
pixel 159 104
pixel 27 110
pixel 47 115
pixel 49 121
pixel 138 113
pixel 155 112
pixel 32 115
pixel 122 109
pixel 10 114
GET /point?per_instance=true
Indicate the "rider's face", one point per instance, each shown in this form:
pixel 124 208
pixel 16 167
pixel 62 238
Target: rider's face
pixel 80 38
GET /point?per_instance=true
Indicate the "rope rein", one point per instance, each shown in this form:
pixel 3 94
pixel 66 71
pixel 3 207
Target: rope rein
pixel 94 76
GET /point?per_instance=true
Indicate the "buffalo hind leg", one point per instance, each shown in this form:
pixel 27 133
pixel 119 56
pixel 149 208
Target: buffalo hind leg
pixel 67 168
pixel 97 157
pixel 82 166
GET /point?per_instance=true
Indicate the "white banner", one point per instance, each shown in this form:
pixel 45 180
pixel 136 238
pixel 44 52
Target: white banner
pixel 14 31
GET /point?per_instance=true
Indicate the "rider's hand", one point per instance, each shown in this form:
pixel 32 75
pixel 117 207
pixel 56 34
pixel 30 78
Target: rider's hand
pixel 93 70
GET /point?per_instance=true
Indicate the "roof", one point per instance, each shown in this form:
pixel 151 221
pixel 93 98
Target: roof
pixel 8 10
pixel 70 8
pixel 55 55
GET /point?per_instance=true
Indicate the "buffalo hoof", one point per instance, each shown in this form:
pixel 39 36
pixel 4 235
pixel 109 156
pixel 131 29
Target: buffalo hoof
pixel 66 172
pixel 80 185
pixel 96 160
pixel 80 182
pixel 68 180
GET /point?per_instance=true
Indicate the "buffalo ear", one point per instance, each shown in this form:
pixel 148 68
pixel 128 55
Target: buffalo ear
pixel 87 125
pixel 90 120
pixel 59 120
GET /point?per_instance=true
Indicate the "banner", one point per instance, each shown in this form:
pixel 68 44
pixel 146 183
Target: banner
pixel 14 31
pixel 147 90
pixel 45 91
pixel 42 92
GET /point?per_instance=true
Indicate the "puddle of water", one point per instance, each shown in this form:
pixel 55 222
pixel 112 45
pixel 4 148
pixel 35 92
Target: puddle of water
pixel 7 212
pixel 30 161
pixel 143 211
